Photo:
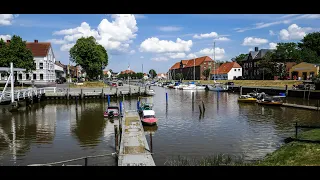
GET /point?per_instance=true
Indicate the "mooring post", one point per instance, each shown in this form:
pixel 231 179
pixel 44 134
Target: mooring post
pixel 102 94
pixel 117 92
pixel 296 126
pixel 192 98
pixel 120 104
pixel 166 98
pixel 67 94
pixel 81 94
pixel 138 103
pixel 108 100
pixel 116 138
pixel 151 148
pixel 200 109
pixel 120 133
pixel 204 109
pixel 240 90
pixel 86 161
pixel 76 102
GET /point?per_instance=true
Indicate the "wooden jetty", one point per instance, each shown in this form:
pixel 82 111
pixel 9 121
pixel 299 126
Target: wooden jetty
pixel 301 106
pixel 134 149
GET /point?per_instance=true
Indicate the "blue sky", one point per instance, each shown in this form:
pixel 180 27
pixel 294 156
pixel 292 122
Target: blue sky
pixel 159 40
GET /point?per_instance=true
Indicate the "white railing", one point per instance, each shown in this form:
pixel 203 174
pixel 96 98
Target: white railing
pixel 25 93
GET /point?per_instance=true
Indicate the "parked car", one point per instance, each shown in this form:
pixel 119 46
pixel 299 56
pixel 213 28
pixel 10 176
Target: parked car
pixel 120 83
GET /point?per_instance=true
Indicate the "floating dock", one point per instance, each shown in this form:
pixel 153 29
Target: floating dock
pixel 134 149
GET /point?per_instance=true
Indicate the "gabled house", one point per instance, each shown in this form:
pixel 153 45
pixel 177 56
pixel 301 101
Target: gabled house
pixel 304 71
pixel 188 67
pixel 162 76
pixel 227 71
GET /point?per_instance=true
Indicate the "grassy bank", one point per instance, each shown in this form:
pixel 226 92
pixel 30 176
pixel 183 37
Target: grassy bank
pixel 258 83
pixel 89 85
pixel 290 154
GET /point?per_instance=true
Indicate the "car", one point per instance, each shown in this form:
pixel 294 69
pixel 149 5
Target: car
pixel 120 83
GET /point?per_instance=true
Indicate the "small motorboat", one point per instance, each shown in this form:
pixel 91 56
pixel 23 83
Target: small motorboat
pixel 190 87
pixel 201 87
pixel 148 117
pixel 150 92
pixel 111 111
pixel 144 106
pixel 247 99
pixel 218 87
pixel 273 101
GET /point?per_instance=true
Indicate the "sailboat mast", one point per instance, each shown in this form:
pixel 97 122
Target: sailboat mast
pixel 214 60
pixel 194 69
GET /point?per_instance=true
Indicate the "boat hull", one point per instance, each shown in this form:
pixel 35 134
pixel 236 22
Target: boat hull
pixel 247 100
pixel 149 121
pixel 270 103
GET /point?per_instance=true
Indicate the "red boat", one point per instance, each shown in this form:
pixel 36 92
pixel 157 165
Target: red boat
pixel 111 111
pixel 148 117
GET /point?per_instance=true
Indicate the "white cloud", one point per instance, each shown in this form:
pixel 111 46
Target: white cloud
pixel 6 19
pixel 219 53
pixel 140 16
pixel 114 35
pixel 66 47
pixel 250 49
pixel 222 39
pixel 141 57
pixel 169 28
pixel 191 56
pixel 272 45
pixel 132 51
pixel 294 32
pixel 271 33
pixel 156 45
pixel 288 16
pixel 57 41
pixel 5 37
pixel 179 55
pixel 207 35
pixel 159 59
pixel 252 41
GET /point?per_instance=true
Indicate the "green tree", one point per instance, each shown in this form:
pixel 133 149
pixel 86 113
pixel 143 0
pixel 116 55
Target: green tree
pixel 139 75
pixel 206 73
pixel 90 55
pixel 17 52
pixel 152 73
pixel 268 65
pixel 287 51
pixel 309 56
pixel 311 41
pixel 240 58
pixel 179 76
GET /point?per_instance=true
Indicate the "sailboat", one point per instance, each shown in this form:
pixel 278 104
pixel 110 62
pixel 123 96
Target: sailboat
pixel 216 86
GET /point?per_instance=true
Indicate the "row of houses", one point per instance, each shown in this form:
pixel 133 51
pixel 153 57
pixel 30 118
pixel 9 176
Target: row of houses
pixel 47 68
pixel 248 68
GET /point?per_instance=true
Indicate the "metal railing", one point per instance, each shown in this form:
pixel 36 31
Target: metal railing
pixel 25 93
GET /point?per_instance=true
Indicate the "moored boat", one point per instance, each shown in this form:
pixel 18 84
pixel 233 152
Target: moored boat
pixel 111 111
pixel 190 87
pixel 272 101
pixel 150 92
pixel 148 117
pixel 247 99
pixel 217 87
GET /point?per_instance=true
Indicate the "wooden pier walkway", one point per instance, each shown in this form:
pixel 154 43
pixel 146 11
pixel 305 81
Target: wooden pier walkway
pixel 134 149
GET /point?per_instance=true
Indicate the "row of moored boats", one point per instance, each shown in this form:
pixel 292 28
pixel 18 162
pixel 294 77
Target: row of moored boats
pixel 261 98
pixel 193 86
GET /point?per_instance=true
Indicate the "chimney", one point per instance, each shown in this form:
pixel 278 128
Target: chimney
pixel 35 41
pixel 8 41
pixel 256 49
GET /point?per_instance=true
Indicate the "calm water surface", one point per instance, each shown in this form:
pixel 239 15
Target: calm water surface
pixel 56 130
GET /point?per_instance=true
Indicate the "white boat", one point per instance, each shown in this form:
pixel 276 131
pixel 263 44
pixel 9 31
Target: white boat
pixel 217 87
pixel 150 92
pixel 190 87
pixel 200 87
pixel 181 86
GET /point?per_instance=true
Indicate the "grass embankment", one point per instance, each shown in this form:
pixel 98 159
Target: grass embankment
pixel 258 83
pixel 291 154
pixel 89 85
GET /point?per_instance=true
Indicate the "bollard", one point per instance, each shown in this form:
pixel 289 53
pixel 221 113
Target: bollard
pixel 116 138
pixel 108 100
pixel 167 98
pixel 204 109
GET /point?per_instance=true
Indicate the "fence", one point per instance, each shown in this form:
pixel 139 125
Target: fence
pixel 305 127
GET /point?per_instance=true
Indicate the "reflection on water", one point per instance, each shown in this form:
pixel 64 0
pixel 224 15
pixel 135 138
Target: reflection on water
pixel 59 130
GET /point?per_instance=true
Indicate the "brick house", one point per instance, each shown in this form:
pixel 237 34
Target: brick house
pixel 187 68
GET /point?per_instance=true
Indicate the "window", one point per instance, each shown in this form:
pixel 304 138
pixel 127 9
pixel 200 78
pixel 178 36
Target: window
pixel 27 77
pixel 34 76
pixel 41 76
pixel 20 76
pixel 238 69
pixel 40 65
pixel 209 63
pixel 235 69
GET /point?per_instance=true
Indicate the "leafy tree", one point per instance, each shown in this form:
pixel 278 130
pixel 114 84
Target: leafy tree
pixel 17 52
pixel 311 41
pixel 206 73
pixel 309 56
pixel 268 65
pixel 179 76
pixel 92 57
pixel 240 58
pixel 287 51
pixel 139 75
pixel 152 73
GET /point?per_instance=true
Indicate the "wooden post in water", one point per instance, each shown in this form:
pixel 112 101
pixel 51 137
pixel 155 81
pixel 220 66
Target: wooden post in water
pixel 102 94
pixel 200 109
pixel 166 98
pixel 86 161
pixel 76 102
pixel 68 94
pixel 240 90
pixel 151 146
pixel 116 142
pixel 81 94
pixel 296 126
pixel 304 94
pixel 192 97
pixel 204 109
pixel 120 132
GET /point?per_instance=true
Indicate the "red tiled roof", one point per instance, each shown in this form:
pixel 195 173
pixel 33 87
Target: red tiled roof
pixel 225 68
pixel 39 49
pixel 175 66
pixel 127 72
pixel 184 62
pixel 198 61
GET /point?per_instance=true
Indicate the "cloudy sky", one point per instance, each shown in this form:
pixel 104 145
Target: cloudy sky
pixel 158 41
